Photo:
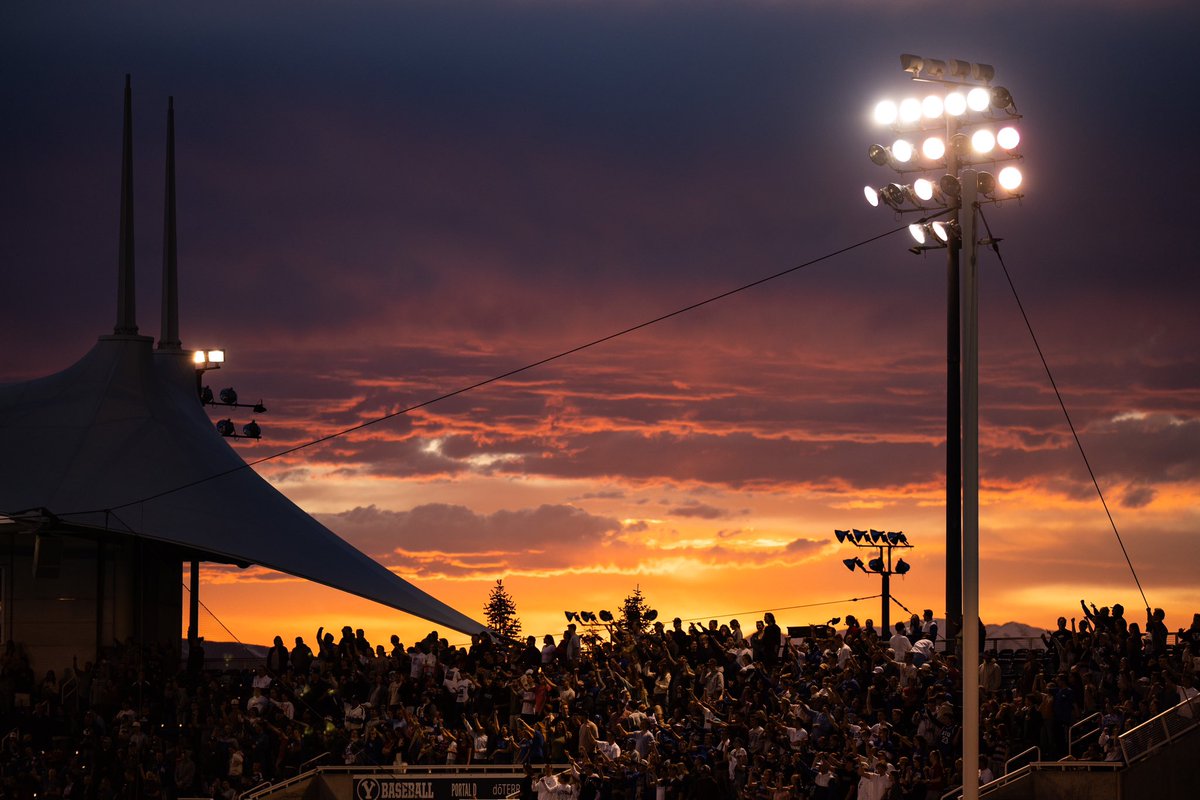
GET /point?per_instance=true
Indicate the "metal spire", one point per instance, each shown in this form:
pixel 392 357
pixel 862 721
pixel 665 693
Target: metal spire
pixel 169 339
pixel 126 302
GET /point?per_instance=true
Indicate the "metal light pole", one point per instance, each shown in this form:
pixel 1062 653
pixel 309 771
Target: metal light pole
pixel 960 190
pixel 953 418
pixel 970 540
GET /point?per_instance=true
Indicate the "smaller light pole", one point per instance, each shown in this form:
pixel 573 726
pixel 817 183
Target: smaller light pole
pixel 881 565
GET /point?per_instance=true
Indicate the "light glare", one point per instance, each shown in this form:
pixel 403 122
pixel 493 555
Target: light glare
pixel 871 195
pixel 216 356
pixel 941 229
pixel 979 99
pixel 917 231
pixel 931 106
pixel 1008 138
pixel 1010 179
pixel 885 112
pixel 910 110
pixel 933 148
pixel 956 104
pixel 902 151
pixel 983 141
pixel 198 357
pixel 923 188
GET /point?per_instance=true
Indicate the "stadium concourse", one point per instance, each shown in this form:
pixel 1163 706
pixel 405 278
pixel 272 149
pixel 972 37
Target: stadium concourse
pixel 666 711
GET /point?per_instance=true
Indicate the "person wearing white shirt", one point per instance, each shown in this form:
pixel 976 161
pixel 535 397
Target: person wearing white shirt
pixel 899 642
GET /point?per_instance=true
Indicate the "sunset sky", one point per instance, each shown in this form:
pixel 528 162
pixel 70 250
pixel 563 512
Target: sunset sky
pixel 383 202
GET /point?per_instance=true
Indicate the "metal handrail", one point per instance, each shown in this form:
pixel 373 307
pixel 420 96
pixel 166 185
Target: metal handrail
pixel 253 789
pixel 1034 749
pixel 1187 711
pixel 1072 741
pixel 304 767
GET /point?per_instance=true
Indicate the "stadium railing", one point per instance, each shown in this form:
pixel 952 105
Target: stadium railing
pixel 1158 732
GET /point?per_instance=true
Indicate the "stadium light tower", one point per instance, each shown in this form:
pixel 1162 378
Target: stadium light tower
pixel 976 120
pixel 881 565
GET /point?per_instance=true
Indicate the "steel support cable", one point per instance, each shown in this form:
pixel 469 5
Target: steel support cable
pixel 780 608
pixel 995 245
pixel 479 384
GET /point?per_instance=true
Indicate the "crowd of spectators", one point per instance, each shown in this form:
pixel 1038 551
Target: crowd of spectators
pixel 654 711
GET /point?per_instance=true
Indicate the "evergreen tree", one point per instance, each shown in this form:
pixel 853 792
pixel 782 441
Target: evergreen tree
pixel 634 611
pixel 501 612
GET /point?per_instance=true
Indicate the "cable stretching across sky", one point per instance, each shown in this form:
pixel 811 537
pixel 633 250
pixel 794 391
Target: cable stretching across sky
pixel 646 324
pixel 479 384
pixel 995 244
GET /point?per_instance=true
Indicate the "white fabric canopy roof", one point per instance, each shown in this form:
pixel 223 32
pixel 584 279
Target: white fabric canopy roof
pixel 95 443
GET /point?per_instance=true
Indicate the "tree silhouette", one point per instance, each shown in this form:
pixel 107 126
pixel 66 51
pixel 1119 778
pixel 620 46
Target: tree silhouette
pixel 501 612
pixel 636 612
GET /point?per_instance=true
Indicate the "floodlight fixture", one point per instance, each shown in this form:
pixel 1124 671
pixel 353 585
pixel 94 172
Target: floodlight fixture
pixel 902 151
pixel 651 615
pixel 984 72
pixel 570 615
pixel 983 141
pixel 259 408
pixel 986 184
pixel 859 535
pixel 854 563
pixel 942 229
pixel 922 188
pixel 1008 138
pixel 251 430
pixel 1009 179
pixel 886 112
pixel 841 535
pixel 893 195
pixel 960 69
pixel 931 106
pixel 979 99
pixel 950 186
pixel 933 148
pixel 228 396
pixel 876 535
pixel 917 231
pixel 879 155
pixel 935 68
pixel 893 537
pixel 872 195
pixel 225 427
pixel 208 359
pixel 206 396
pixel 876 565
pixel 606 616
pixel 911 63
pixel 956 104
pixel 910 110
pixel 902 567
pixel 1002 99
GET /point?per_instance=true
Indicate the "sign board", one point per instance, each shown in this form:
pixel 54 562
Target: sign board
pixel 434 787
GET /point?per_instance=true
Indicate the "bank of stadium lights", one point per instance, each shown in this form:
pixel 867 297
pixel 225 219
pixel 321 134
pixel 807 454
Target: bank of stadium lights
pixel 952 127
pixel 882 564
pixel 205 360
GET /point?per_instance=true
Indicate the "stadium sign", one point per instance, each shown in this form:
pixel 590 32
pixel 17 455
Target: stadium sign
pixel 434 787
